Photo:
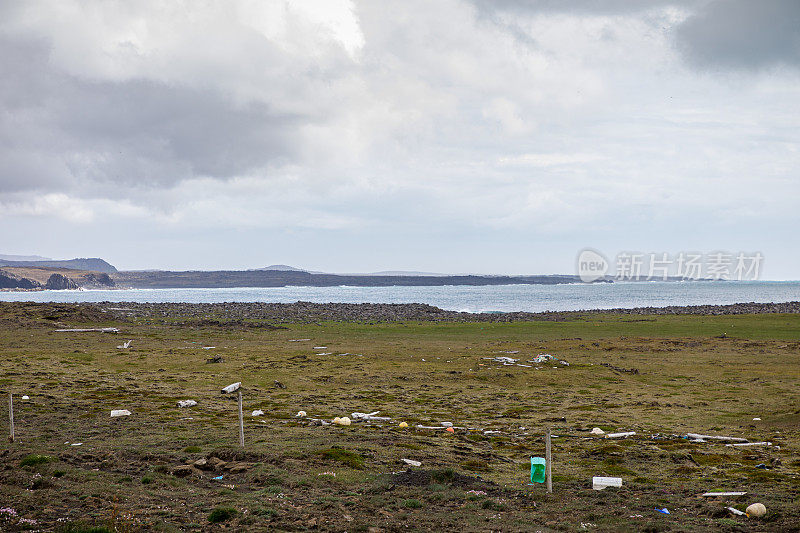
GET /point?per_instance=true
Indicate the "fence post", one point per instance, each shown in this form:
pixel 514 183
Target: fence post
pixel 241 421
pixel 548 451
pixel 11 417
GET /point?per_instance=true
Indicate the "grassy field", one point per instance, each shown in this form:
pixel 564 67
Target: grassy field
pixel 155 469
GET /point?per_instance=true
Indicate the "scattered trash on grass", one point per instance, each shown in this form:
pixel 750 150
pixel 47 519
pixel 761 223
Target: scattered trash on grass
pixel 750 444
pixel 597 431
pixel 735 511
pixel 320 347
pixel 233 387
pixel 343 421
pixel 403 425
pixel 411 462
pixel 119 412
pixel 663 511
pixel 186 403
pixel 332 474
pixel 257 412
pixel 756 510
pixel 600 483
pixel 25 398
pixel 299 340
pixel 125 345
pixel 358 417
pixel 476 492
pixel 538 465
pixel 447 424
pixel 300 414
pixel 756 419
pixel 218 478
pixel 714 437
pixel 715 494
pixel 620 435
pixel 450 430
pixel 84 330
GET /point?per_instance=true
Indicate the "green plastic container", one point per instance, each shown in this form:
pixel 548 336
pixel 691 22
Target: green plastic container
pixel 537 469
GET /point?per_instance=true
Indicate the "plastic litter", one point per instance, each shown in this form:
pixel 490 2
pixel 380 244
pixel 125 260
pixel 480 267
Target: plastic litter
pixel 403 425
pixel 597 431
pixel 186 403
pixel 125 345
pixel 663 511
pixel 714 437
pixel 756 510
pixel 756 419
pixel 735 511
pixel 343 421
pixel 25 398
pixel 447 424
pixel 714 494
pixel 217 478
pixel 538 465
pixel 83 330
pixel 357 417
pixel 233 387
pixel 412 462
pixel 257 412
pixel 119 412
pixel 620 435
pixel 450 430
pixel 737 444
pixel 600 483
pixel 300 414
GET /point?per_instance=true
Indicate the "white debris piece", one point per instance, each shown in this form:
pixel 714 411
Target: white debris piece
pixel 735 511
pixel 756 419
pixel 597 431
pixel 447 424
pixel 357 417
pixel 320 347
pixel 714 437
pixel 119 412
pixel 411 462
pixel 233 387
pixel 300 414
pixel 620 435
pixel 343 421
pixel 125 345
pixel 83 330
pixel 542 358
pixel 505 360
pixel 186 403
pixel 750 444
pixel 600 483
pixel 257 412
pixel 25 398
pixel 715 494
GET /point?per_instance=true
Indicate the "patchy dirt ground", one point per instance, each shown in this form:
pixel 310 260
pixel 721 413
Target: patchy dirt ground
pixel 72 467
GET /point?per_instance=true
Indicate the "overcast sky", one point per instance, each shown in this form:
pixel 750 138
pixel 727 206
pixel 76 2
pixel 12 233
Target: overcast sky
pixel 491 136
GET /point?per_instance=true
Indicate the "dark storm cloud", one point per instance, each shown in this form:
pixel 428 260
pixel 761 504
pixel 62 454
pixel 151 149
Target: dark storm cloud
pixel 743 34
pixel 60 132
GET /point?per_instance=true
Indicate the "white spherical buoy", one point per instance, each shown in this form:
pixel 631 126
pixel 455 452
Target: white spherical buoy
pixel 756 510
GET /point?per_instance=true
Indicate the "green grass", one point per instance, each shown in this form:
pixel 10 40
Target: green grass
pixel 36 459
pixel 221 514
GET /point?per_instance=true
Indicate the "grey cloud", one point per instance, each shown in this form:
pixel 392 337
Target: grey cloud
pixel 591 7
pixel 742 34
pixel 63 133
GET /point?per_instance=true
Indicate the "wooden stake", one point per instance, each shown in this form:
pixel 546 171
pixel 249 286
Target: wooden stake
pixel 548 457
pixel 241 421
pixel 11 417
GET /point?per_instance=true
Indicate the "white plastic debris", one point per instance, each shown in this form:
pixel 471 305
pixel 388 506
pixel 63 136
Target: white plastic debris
pixel 620 435
pixel 597 431
pixel 257 412
pixel 125 345
pixel 542 358
pixel 411 462
pixel 735 511
pixel 757 419
pixel 233 387
pixel 600 483
pixel 715 494
pixel 715 437
pixel 343 421
pixel 119 412
pixel 368 416
pixel 756 510
pixel 83 330
pixel 186 403
pixel 25 398
pixel 300 414
pixel 737 444
pixel 447 424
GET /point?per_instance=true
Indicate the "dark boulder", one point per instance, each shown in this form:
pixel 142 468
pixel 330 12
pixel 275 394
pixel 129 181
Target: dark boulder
pixel 12 281
pixel 97 279
pixel 60 282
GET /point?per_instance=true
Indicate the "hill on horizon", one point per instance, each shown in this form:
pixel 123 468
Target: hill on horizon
pixel 81 263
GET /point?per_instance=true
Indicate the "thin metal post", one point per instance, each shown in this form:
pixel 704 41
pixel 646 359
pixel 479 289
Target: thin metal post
pixel 548 457
pixel 241 421
pixel 11 417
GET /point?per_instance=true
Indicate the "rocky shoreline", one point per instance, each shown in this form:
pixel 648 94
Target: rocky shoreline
pixel 240 312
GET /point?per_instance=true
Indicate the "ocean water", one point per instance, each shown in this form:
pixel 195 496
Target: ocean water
pixel 534 298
